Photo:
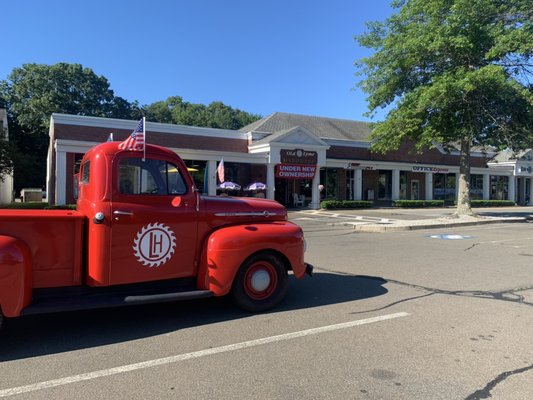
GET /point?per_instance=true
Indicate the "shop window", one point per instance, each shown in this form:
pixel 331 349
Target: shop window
pixel 403 185
pixel 384 185
pixel 350 184
pixel 330 179
pixel 499 187
pixel 444 187
pixel 197 169
pixel 476 187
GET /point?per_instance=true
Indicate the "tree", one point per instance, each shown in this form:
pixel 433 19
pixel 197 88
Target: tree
pixel 33 92
pixel 216 115
pixel 453 72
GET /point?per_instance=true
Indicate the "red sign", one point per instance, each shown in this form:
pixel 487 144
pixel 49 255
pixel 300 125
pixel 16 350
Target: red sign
pixel 295 171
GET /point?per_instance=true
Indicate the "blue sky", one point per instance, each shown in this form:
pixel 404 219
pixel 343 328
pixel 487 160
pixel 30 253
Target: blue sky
pixel 259 56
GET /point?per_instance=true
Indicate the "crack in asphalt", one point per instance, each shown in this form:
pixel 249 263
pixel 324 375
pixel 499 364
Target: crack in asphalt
pixel 504 295
pixel 485 392
pixel 501 242
pixel 509 295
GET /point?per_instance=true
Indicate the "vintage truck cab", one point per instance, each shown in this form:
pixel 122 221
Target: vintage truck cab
pixel 142 233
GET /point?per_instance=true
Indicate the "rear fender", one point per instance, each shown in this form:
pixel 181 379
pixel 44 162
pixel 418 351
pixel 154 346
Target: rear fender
pixel 15 275
pixel 227 248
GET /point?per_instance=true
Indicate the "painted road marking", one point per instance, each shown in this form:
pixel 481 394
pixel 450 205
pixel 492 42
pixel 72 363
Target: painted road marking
pixel 189 356
pixel 450 236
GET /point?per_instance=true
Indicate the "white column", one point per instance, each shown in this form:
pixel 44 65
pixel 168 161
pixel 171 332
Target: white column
pixel 271 180
pixel 395 184
pixel 457 175
pixel 530 191
pixel 523 189
pixel 429 185
pixel 486 187
pixel 212 177
pixel 315 196
pixel 358 183
pixel 511 194
pixel 61 178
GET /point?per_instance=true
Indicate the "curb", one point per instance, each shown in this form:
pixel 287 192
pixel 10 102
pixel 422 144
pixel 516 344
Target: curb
pixel 431 224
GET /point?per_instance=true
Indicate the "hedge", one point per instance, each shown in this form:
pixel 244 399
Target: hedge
pixel 492 203
pixel 418 203
pixel 38 205
pixel 336 204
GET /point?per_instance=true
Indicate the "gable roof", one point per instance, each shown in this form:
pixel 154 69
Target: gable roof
pixel 287 134
pixel 509 155
pixel 326 128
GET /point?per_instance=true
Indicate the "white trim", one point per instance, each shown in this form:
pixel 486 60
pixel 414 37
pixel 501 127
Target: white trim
pixel 347 143
pixel 61 177
pixel 77 146
pixel 112 123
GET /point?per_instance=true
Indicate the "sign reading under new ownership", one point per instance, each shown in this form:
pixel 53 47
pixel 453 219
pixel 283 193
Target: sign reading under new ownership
pixel 295 171
pixel 297 164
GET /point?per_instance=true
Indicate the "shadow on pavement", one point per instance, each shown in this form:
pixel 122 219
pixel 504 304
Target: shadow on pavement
pixel 33 336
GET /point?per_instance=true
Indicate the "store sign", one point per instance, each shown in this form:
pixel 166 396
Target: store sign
pixel 417 168
pixel 298 156
pixel 295 171
pixel 524 169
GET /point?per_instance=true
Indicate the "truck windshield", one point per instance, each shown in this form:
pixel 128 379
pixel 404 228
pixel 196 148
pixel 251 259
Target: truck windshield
pixel 150 177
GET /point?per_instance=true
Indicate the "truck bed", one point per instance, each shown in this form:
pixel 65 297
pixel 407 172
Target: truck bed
pixel 55 239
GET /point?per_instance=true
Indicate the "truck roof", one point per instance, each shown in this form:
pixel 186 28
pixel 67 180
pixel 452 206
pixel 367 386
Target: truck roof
pixel 112 148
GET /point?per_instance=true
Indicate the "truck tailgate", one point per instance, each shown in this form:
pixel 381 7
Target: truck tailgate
pixel 55 239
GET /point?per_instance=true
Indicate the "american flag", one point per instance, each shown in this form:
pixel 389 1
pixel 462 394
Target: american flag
pixel 220 170
pixel 136 140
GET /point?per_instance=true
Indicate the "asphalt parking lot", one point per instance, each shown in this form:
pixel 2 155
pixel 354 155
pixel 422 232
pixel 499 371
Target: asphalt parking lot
pixel 391 315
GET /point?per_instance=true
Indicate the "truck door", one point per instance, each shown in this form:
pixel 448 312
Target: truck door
pixel 154 220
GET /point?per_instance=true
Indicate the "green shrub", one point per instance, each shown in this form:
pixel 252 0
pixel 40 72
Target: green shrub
pixel 38 205
pixel 492 203
pixel 418 203
pixel 344 204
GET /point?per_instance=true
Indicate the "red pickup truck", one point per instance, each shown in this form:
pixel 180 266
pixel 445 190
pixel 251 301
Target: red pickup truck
pixel 142 233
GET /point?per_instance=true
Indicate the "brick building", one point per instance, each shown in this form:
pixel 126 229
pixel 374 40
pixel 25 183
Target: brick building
pixel 301 159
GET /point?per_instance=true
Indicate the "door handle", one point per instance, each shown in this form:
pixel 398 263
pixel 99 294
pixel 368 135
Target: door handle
pixel 119 213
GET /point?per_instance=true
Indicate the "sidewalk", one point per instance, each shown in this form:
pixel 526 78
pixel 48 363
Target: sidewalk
pixel 398 219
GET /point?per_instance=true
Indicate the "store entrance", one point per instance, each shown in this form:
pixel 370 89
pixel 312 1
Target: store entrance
pixel 293 193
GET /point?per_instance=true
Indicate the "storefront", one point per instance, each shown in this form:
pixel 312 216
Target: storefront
pixel 294 159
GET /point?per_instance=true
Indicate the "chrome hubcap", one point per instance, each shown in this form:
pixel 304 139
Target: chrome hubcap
pixel 260 280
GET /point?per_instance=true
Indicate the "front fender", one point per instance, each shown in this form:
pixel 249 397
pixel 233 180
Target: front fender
pixel 15 275
pixel 227 248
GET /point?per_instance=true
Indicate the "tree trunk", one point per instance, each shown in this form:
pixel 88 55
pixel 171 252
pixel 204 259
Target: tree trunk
pixel 464 206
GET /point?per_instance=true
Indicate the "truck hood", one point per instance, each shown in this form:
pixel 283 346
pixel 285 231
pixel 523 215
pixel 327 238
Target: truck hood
pixel 219 211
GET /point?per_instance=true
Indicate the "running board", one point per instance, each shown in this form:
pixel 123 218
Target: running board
pixel 108 300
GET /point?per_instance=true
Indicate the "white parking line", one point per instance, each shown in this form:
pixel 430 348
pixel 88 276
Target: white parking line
pixel 188 356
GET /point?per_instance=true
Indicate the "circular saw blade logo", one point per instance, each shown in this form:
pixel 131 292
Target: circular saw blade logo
pixel 154 244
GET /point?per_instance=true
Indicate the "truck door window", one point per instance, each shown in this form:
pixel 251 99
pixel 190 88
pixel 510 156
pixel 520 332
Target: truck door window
pixel 85 169
pixel 149 177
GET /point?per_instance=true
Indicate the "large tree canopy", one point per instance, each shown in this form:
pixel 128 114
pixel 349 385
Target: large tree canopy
pixel 453 72
pixel 216 115
pixel 33 92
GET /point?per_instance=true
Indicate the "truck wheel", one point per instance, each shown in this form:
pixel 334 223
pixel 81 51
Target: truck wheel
pixel 261 283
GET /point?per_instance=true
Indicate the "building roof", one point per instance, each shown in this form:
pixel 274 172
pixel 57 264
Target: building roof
pixel 325 128
pixel 509 155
